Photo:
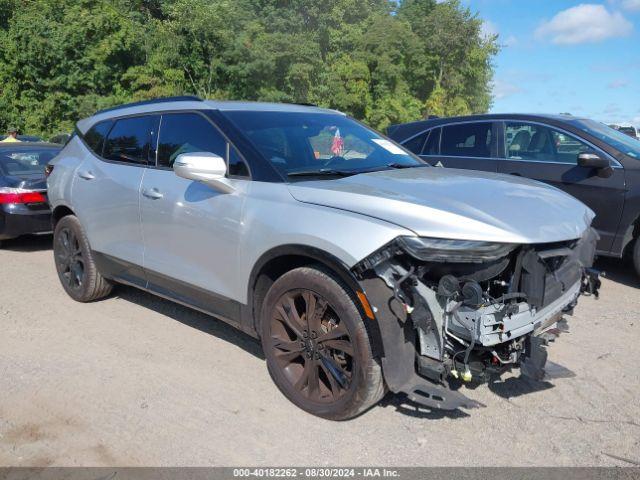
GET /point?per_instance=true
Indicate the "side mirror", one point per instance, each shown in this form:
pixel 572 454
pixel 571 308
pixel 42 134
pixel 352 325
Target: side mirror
pixel 591 160
pixel 204 167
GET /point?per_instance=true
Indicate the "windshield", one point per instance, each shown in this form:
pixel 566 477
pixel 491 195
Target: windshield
pixel 618 140
pixel 299 144
pixel 25 162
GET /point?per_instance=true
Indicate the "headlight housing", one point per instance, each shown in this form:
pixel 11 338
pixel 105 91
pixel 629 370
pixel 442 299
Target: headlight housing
pixel 454 251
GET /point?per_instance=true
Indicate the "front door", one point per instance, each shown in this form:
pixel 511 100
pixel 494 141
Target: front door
pixel 551 155
pixel 191 231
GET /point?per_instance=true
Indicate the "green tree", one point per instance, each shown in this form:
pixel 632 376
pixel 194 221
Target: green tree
pixel 457 56
pixel 60 61
pixel 380 61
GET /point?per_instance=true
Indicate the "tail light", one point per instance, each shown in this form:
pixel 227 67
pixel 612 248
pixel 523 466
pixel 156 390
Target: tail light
pixel 20 195
pixel 48 169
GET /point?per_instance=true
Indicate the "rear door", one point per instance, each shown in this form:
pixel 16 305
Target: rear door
pixel 106 190
pixel 549 154
pixel 469 146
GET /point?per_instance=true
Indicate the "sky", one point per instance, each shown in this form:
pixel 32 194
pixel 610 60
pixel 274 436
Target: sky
pixel 562 56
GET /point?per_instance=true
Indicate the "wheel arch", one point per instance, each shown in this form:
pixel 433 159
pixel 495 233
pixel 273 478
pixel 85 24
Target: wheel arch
pixel 58 213
pixel 631 233
pixel 279 260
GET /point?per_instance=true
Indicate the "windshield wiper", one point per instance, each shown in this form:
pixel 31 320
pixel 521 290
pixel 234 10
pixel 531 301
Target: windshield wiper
pixel 322 172
pixel 404 165
pixel 346 173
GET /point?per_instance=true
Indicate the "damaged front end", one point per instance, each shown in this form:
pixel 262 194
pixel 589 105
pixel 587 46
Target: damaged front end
pixel 451 311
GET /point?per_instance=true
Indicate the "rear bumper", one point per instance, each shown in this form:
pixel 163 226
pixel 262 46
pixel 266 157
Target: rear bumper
pixel 17 220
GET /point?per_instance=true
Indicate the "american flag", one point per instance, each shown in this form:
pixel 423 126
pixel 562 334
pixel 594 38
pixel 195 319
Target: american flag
pixel 338 144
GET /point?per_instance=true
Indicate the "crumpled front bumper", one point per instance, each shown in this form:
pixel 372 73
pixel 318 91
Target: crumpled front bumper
pixel 492 326
pixel 414 340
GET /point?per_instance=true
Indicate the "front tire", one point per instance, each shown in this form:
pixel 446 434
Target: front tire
pixel 75 264
pixel 316 345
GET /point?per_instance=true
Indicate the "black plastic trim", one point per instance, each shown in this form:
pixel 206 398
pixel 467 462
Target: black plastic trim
pixel 171 289
pixel 181 98
pixel 260 168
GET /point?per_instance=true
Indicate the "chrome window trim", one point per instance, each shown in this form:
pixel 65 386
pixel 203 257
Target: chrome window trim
pixel 453 156
pixel 614 163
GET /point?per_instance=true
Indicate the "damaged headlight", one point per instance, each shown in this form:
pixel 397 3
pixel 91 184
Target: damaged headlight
pixel 456 251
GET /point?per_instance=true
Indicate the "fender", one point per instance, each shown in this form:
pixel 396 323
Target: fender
pixel 312 255
pixel 59 211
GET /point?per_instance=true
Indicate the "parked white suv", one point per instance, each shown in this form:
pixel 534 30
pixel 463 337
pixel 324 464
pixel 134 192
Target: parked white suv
pixel 358 266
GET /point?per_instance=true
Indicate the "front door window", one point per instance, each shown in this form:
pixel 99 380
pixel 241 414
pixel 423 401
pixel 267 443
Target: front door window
pixel 530 141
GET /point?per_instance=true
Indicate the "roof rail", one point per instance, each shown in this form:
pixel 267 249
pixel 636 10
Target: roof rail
pixel 304 104
pixel 182 98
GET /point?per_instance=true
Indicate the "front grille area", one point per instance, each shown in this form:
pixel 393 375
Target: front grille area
pixel 548 271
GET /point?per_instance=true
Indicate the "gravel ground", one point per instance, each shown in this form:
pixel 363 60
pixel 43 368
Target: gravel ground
pixel 135 380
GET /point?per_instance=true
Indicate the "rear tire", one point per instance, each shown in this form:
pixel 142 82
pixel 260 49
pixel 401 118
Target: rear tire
pixel 75 264
pixel 316 345
pixel 636 255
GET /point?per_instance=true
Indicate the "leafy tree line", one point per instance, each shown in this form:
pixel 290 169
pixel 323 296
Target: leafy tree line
pixel 381 61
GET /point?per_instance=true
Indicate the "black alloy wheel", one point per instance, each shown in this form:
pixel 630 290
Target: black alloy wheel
pixel 317 346
pixel 75 262
pixel 69 259
pixel 312 346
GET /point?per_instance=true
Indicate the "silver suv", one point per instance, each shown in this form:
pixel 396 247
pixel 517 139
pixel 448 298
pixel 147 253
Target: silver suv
pixel 358 266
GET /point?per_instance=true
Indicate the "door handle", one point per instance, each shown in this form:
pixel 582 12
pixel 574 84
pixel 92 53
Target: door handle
pixel 153 194
pixel 515 174
pixel 87 175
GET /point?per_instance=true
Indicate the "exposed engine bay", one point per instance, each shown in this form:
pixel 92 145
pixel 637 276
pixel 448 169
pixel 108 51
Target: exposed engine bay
pixel 463 311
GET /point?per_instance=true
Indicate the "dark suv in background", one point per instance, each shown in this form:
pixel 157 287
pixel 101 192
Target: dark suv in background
pixel 593 162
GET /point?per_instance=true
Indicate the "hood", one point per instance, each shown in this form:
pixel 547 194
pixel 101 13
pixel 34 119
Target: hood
pixel 456 204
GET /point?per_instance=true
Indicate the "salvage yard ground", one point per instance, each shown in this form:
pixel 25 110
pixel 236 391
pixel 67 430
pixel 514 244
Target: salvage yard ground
pixel 135 380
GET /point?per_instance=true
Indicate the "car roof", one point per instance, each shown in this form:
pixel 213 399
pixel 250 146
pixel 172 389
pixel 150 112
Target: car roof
pixel 194 103
pixel 408 129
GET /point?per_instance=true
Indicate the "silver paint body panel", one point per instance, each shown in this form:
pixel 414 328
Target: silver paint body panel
pixel 458 204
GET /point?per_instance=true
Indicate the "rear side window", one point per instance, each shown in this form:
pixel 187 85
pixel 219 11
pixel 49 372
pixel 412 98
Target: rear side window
pixel 96 135
pixel 416 143
pixel 467 140
pixel 130 140
pixel 187 132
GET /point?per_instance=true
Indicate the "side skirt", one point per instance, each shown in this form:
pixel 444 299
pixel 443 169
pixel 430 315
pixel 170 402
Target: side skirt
pixel 223 308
